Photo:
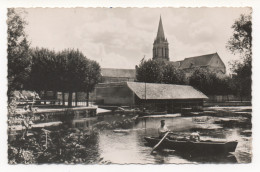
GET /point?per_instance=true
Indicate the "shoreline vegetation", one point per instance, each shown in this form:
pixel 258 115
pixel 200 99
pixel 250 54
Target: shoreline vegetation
pixel 56 144
pixel 65 144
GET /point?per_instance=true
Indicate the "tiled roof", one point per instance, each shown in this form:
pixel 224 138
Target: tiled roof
pixel 165 91
pixel 196 61
pixel 111 72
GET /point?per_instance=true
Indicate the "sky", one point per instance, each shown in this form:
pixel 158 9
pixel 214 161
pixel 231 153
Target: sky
pixel 121 37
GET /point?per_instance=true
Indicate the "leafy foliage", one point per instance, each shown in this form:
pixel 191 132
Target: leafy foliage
pixel 150 71
pixel 54 146
pixel 159 71
pixel 172 75
pixel 19 60
pixel 66 71
pixel 43 75
pixel 209 83
pixel 241 43
pixel 241 76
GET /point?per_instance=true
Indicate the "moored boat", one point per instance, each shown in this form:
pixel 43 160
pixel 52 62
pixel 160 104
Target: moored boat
pixel 201 147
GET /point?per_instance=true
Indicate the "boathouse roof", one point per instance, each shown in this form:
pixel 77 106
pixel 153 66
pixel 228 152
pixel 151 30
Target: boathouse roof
pixel 164 91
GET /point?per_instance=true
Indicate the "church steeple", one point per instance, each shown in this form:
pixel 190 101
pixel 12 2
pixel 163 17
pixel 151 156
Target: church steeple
pixel 160 32
pixel 160 45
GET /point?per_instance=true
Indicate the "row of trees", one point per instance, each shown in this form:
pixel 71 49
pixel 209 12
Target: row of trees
pixel 210 83
pixel 66 71
pixel 40 69
pixel 159 71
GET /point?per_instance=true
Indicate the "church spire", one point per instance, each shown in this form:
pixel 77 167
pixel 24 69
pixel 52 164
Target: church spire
pixel 160 45
pixel 160 32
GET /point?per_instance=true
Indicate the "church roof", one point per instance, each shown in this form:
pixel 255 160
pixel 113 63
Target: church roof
pixel 197 61
pixel 119 73
pixel 160 32
pixel 164 91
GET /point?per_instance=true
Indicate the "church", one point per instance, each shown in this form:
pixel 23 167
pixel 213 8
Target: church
pixel 118 86
pixel 160 50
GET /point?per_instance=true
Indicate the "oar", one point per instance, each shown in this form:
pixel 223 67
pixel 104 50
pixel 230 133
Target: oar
pixel 158 144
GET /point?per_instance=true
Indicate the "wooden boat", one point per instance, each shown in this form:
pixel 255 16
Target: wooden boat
pixel 201 147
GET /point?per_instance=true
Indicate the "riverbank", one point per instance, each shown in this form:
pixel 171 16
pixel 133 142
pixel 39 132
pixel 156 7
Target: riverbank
pixel 119 138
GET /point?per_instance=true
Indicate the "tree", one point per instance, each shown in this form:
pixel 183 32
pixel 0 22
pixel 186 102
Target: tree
pixel 19 61
pixel 241 75
pixel 200 80
pixel 93 76
pixel 43 75
pixel 81 73
pixel 159 71
pixel 150 71
pixel 75 72
pixel 241 43
pixel 209 83
pixel 172 75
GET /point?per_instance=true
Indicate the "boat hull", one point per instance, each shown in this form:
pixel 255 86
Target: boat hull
pixel 202 147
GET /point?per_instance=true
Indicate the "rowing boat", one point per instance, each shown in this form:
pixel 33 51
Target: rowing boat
pixel 202 147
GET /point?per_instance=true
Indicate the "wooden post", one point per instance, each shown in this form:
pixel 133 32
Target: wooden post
pixel 45 92
pixel 87 98
pixel 63 98
pixel 76 98
pixel 46 134
pixel 70 99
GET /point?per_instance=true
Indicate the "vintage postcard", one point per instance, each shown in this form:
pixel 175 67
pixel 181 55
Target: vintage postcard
pixel 129 85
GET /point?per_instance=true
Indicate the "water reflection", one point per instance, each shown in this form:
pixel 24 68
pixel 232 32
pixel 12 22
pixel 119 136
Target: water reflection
pixel 130 147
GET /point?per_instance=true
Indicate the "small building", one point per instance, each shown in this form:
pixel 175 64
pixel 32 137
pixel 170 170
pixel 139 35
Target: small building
pixel 117 75
pixel 159 97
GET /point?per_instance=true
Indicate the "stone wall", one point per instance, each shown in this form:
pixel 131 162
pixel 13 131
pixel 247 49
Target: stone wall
pixel 114 94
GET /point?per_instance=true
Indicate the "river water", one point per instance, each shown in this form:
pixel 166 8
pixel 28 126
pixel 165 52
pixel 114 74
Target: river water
pixel 129 147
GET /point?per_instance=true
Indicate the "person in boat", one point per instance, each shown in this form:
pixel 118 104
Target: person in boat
pixel 195 137
pixel 162 130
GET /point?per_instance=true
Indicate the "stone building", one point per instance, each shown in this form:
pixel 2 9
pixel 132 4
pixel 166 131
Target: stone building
pixel 159 97
pixel 211 62
pixel 117 75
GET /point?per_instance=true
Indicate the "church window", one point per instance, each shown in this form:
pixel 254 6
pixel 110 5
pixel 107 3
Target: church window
pixel 162 52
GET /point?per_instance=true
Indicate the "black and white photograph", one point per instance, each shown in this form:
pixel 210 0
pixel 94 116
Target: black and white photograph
pixel 129 85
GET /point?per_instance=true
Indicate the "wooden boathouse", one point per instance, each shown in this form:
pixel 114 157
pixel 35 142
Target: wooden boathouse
pixel 159 97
